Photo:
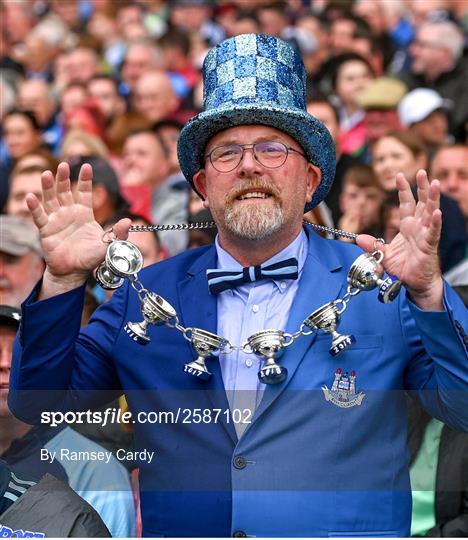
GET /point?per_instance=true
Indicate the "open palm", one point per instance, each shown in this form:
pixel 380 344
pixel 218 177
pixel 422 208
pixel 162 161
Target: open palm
pixel 72 240
pixel 412 255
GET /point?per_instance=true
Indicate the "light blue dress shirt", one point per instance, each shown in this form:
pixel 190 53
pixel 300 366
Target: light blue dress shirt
pixel 242 312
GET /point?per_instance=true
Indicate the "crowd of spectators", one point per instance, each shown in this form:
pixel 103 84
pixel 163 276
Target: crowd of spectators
pixel 111 82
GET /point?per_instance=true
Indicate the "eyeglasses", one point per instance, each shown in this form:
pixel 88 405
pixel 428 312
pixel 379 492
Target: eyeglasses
pixel 270 154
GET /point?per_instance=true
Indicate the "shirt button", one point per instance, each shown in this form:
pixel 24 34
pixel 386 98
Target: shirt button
pixel 249 362
pixel 283 285
pixel 255 308
pixel 240 462
pixel 239 534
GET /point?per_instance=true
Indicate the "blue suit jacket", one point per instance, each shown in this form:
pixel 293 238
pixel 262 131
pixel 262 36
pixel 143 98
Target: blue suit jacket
pixel 307 467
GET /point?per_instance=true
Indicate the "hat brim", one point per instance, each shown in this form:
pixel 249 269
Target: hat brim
pixel 310 133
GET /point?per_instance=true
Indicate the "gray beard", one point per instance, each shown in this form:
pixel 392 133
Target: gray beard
pixel 253 223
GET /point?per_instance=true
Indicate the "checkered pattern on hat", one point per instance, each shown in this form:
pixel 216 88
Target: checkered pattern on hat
pixel 254 68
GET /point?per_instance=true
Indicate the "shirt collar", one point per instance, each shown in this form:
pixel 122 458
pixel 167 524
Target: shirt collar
pixel 298 248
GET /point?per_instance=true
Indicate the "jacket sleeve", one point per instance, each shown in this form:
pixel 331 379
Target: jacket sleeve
pixel 54 366
pixel 438 348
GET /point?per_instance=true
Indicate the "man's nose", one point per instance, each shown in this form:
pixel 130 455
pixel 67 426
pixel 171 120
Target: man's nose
pixel 451 183
pixel 249 163
pixel 5 359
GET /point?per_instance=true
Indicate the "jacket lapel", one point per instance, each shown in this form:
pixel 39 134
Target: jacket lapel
pixel 320 283
pixel 199 310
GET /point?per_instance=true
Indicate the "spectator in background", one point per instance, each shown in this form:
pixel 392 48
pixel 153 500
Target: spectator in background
pixel 86 117
pixel 141 56
pixel 147 181
pixel 23 180
pixel 391 215
pixel 121 126
pixel 246 22
pixel 105 91
pixel 105 485
pixel 360 202
pixel 402 152
pixel 379 102
pixel 324 111
pixel 21 263
pixel 36 96
pixel 7 98
pixel 450 167
pixel 274 19
pixel 175 49
pixel 79 143
pixel 437 63
pixel 439 477
pixel 83 64
pixel 196 18
pixel 154 96
pixel 41 157
pixel 107 199
pixel 397 152
pixel 74 95
pixel 424 113
pixel 342 30
pixel 169 131
pixel 36 55
pixel 21 134
pixel 352 74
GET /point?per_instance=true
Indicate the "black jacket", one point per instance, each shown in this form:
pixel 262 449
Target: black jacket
pixel 51 509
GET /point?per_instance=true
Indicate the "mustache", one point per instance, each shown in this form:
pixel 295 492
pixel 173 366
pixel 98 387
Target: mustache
pixel 252 184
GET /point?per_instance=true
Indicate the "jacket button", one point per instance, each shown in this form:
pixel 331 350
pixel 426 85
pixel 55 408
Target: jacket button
pixel 240 463
pixel 239 534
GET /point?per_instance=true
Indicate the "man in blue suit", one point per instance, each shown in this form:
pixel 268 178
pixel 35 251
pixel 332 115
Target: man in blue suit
pixel 320 453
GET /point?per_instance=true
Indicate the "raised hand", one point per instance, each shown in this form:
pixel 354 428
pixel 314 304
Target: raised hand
pixel 412 255
pixel 72 240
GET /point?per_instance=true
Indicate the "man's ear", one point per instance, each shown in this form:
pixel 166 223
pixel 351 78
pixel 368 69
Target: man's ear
pixel 199 181
pixel 314 177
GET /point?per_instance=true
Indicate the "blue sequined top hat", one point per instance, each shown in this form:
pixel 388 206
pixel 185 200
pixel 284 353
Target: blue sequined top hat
pixel 256 79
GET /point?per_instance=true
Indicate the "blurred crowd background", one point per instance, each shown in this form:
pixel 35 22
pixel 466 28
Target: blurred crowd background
pixel 116 80
pixel 111 83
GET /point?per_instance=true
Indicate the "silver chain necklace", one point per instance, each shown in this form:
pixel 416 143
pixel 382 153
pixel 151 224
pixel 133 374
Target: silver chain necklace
pixel 212 225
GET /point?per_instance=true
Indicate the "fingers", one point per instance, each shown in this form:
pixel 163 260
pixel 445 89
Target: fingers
pixel 84 191
pixel 121 228
pixel 435 226
pixel 422 183
pixel 432 204
pixel 49 195
pixel 63 187
pixel 405 195
pixel 369 243
pixel 37 211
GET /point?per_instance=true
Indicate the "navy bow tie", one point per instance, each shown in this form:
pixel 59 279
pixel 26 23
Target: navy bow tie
pixel 221 280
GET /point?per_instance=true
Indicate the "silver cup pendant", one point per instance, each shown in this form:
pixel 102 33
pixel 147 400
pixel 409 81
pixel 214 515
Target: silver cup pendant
pixel 155 310
pixel 268 345
pixel 204 343
pixel 106 279
pixel 123 260
pixel 366 274
pixel 327 318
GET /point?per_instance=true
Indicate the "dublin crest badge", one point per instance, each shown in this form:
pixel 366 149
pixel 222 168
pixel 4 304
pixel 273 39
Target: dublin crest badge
pixel 343 391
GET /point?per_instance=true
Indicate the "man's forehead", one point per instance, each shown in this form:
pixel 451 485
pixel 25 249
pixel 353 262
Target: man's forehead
pixel 451 157
pixel 248 134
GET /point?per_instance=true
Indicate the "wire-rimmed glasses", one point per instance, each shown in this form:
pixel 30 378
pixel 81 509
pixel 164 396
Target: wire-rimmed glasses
pixel 270 154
